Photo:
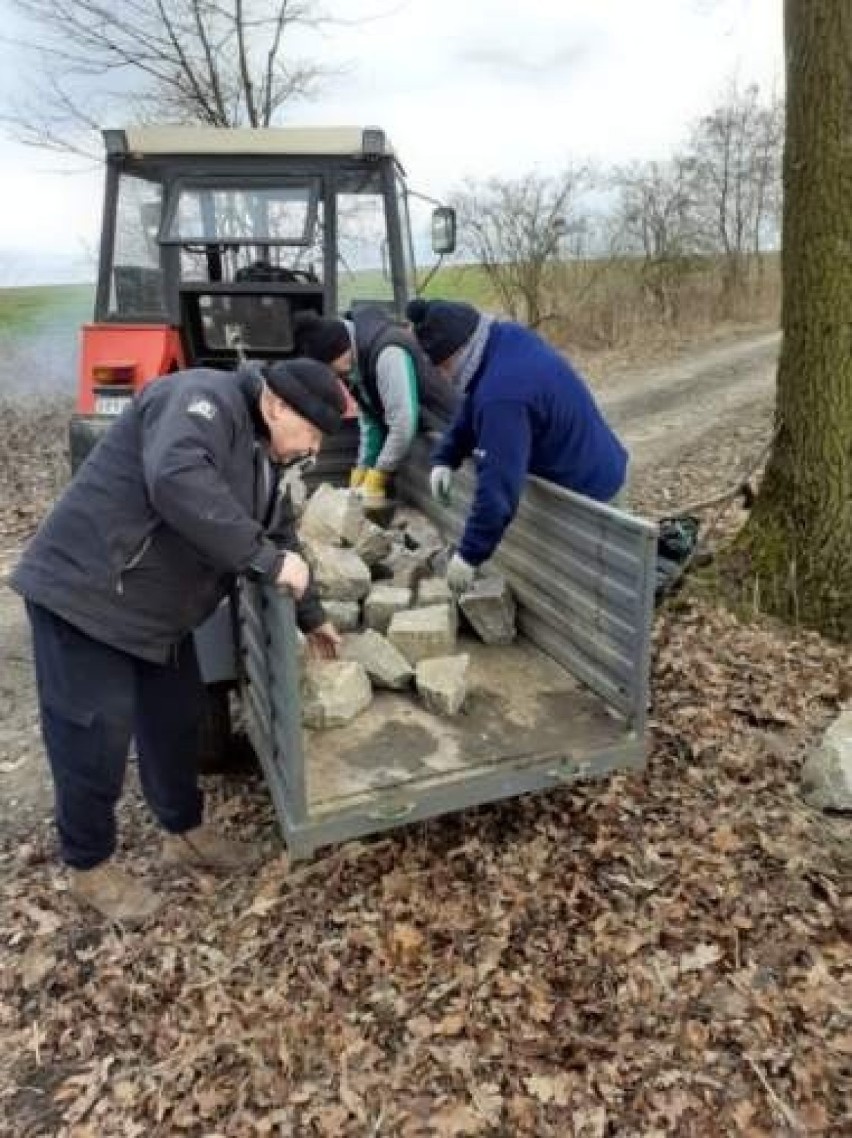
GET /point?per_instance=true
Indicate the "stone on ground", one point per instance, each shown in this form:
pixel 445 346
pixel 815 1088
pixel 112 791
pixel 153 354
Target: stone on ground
pixel 385 665
pixel 421 634
pixel 442 683
pixel 333 516
pixel 382 604
pixel 490 610
pixel 827 773
pixel 334 692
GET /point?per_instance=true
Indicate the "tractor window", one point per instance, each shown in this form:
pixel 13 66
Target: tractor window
pixel 277 215
pixel 136 287
pixel 362 249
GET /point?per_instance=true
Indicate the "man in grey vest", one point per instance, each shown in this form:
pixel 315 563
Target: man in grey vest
pixel 391 381
pixel 179 496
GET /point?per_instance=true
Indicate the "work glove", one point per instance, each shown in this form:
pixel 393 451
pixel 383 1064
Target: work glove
pixel 374 488
pixel 357 476
pixel 441 483
pixel 460 575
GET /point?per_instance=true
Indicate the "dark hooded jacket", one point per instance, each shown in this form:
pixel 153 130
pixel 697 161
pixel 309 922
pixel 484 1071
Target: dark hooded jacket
pixel 177 498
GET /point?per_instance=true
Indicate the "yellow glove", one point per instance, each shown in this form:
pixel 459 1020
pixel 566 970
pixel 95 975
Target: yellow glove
pixel 374 488
pixel 357 477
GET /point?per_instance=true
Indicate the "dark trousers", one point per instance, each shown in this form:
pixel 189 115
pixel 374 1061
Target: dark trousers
pixel 93 699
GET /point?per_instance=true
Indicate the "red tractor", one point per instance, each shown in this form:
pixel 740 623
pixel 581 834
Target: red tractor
pixel 214 238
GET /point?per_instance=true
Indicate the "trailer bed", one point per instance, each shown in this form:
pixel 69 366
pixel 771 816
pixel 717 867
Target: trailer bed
pixel 522 707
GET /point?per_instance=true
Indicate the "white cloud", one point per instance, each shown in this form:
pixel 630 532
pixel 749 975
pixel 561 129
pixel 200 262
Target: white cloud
pixel 477 88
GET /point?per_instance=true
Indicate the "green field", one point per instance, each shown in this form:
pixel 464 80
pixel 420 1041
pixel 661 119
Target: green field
pixel 453 282
pixel 24 309
pixel 462 282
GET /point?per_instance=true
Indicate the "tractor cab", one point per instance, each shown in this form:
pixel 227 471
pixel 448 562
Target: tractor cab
pixel 214 239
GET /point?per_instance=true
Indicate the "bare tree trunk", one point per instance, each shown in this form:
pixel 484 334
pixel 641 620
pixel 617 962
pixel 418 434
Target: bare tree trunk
pixel 798 542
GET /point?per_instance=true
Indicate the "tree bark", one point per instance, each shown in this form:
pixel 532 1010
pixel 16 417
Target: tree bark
pixel 797 545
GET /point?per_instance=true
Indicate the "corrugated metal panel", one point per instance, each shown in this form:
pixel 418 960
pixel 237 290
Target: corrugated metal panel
pixel 284 698
pixel 580 572
pixel 271 691
pixel 256 683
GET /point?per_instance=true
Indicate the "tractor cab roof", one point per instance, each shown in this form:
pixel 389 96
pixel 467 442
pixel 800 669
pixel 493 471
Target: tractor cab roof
pixel 350 142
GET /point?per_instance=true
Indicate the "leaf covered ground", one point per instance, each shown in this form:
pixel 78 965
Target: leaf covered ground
pixel 665 953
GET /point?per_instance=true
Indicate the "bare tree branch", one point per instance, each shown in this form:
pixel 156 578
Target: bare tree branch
pixel 219 62
pixel 245 75
pixel 514 229
pixel 212 71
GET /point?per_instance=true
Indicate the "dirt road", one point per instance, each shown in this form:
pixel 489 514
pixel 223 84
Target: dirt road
pixel 691 426
pixel 694 425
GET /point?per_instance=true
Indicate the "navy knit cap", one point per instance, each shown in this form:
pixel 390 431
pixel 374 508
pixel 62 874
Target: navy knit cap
pixel 442 326
pixel 311 389
pixel 323 338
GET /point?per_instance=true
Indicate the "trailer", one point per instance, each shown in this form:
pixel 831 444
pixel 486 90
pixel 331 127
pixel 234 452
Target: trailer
pixel 567 701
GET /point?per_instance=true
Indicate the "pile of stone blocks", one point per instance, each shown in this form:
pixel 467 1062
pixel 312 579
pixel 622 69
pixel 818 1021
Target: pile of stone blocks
pixel 400 620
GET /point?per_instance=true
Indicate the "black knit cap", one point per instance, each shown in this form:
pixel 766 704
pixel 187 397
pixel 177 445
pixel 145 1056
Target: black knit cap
pixel 442 326
pixel 311 389
pixel 322 338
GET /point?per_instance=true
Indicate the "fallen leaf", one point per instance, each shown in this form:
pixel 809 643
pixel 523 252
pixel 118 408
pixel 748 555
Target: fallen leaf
pixel 725 840
pixel 456 1121
pixel 701 957
pixel 36 968
pixel 407 941
pixel 550 1089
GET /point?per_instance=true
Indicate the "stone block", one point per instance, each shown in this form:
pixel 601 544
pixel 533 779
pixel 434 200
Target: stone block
pixel 421 634
pixel 334 692
pixel 333 516
pixel 408 568
pixel 373 544
pixel 489 608
pixel 434 591
pixel 419 534
pixel 339 574
pixel 383 602
pixel 442 683
pixel 344 615
pixel 827 773
pixel 385 665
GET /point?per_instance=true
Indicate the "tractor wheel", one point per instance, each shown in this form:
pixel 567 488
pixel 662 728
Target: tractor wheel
pixel 221 750
pixel 214 734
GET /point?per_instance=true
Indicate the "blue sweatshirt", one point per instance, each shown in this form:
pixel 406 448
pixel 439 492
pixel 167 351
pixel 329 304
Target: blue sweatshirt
pixel 527 411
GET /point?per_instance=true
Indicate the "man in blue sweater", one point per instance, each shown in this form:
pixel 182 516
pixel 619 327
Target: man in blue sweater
pixel 524 410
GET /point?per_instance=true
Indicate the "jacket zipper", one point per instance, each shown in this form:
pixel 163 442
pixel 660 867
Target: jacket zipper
pixel 132 562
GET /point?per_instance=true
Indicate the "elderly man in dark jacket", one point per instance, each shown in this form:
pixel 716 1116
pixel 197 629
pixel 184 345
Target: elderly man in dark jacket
pixel 179 496
pixel 523 410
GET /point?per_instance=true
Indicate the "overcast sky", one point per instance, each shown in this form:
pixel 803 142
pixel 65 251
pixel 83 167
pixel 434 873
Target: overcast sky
pixel 465 88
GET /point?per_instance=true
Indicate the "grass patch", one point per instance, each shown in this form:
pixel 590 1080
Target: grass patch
pixel 463 282
pixel 452 282
pixel 25 308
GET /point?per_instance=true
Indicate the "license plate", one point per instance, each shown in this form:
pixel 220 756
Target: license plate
pixel 111 404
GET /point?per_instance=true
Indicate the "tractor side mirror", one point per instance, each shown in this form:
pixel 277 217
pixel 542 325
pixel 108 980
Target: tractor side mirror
pixel 443 231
